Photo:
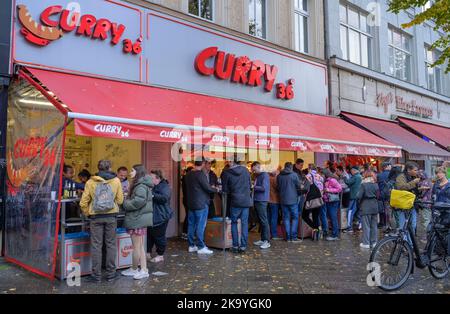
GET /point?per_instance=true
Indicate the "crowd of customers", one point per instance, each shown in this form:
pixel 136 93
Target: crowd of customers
pixel 328 200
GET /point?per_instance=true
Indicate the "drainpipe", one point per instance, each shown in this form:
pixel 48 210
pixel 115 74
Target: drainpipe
pixel 326 27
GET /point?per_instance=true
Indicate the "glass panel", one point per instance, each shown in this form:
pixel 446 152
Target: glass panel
pixel 391 61
pixel 396 39
pixel 305 34
pixel 438 79
pixel 363 23
pixel 406 43
pixel 305 5
pixel 206 9
pixel 343 13
pixel 353 18
pixel 261 18
pixel 344 42
pixel 407 66
pixel 252 17
pixel 364 51
pixel 354 51
pixel 297 32
pixel 430 76
pixel 34 141
pixel 193 7
pixel 390 36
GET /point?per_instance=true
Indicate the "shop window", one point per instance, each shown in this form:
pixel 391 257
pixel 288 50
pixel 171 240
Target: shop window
pixel 400 56
pixel 301 25
pixel 434 74
pixel 257 18
pixel 202 8
pixel 355 35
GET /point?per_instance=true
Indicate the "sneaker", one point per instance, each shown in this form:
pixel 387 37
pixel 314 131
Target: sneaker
pixel 112 277
pixel 265 245
pixel 193 249
pixel 297 241
pixel 235 250
pixel 242 250
pixel 130 272
pixel 364 246
pixel 205 251
pixel 142 274
pixel 373 245
pixel 184 236
pixel 331 238
pixel 258 243
pixel 347 230
pixel 157 259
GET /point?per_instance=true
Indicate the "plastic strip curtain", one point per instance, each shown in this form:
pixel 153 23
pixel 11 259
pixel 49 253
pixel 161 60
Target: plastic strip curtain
pixel 35 138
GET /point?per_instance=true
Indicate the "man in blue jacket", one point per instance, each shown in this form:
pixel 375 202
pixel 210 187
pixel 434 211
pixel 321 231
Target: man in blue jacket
pixel 288 184
pixel 261 196
pixel 237 185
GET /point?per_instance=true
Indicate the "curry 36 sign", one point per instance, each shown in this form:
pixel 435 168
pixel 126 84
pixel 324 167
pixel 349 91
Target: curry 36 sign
pixel 55 21
pixel 241 70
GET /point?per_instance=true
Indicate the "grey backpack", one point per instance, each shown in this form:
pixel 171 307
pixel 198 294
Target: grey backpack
pixel 103 198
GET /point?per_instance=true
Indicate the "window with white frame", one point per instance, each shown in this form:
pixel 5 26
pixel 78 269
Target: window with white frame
pixel 202 8
pixel 301 25
pixel 355 36
pixel 400 56
pixel 434 74
pixel 257 18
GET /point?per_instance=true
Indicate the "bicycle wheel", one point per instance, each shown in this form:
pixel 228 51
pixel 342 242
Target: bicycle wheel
pixel 395 258
pixel 439 264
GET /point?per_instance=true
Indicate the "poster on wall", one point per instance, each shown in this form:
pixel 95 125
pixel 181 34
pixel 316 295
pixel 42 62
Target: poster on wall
pixel 34 141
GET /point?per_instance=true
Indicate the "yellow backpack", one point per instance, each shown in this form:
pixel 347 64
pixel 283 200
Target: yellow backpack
pixel 402 200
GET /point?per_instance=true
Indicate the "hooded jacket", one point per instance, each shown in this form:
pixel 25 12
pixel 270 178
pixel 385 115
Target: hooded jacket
pixel 162 212
pixel 238 186
pixel 139 206
pixel 442 193
pixel 288 184
pixel 354 184
pixel 87 199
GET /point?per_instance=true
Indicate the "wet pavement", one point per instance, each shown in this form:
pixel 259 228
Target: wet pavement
pixel 305 268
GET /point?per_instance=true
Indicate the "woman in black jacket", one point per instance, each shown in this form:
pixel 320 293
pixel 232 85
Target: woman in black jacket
pixel 162 213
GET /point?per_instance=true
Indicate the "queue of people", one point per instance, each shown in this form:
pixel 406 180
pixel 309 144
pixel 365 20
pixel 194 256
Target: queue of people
pixel 313 194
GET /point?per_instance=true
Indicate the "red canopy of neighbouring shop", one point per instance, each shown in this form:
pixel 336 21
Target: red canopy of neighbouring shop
pixel 393 132
pixel 436 133
pixel 115 109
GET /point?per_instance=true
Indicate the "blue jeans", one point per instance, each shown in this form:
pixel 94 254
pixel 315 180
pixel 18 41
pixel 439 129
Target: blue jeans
pixel 332 211
pixel 323 218
pixel 236 214
pixel 197 220
pixel 352 208
pixel 273 219
pixel 402 221
pixel 290 212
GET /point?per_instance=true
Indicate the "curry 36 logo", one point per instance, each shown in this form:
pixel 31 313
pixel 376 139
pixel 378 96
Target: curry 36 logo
pixel 56 21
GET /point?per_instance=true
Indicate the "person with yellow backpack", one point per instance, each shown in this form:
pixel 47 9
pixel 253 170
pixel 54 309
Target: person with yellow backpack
pixel 409 181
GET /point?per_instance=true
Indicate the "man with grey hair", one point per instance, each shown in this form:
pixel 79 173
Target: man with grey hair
pixel 100 202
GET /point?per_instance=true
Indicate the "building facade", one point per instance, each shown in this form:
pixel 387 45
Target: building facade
pixel 380 70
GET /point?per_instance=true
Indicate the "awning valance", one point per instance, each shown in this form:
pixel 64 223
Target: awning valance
pixel 116 109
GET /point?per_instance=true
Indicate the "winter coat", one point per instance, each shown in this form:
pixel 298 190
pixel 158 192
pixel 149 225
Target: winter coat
pixel 237 184
pixel 274 195
pixel 405 182
pixel 288 184
pixel 162 212
pixel 87 199
pixel 139 205
pixel 317 178
pixel 442 193
pixel 354 184
pixel 368 198
pixel 262 188
pixel 382 179
pixel 198 190
pixel 331 186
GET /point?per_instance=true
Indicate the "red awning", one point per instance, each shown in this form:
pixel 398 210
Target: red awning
pixel 393 132
pixel 124 110
pixel 436 133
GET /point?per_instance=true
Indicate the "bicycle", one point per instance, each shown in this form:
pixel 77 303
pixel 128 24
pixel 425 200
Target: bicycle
pixel 392 259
